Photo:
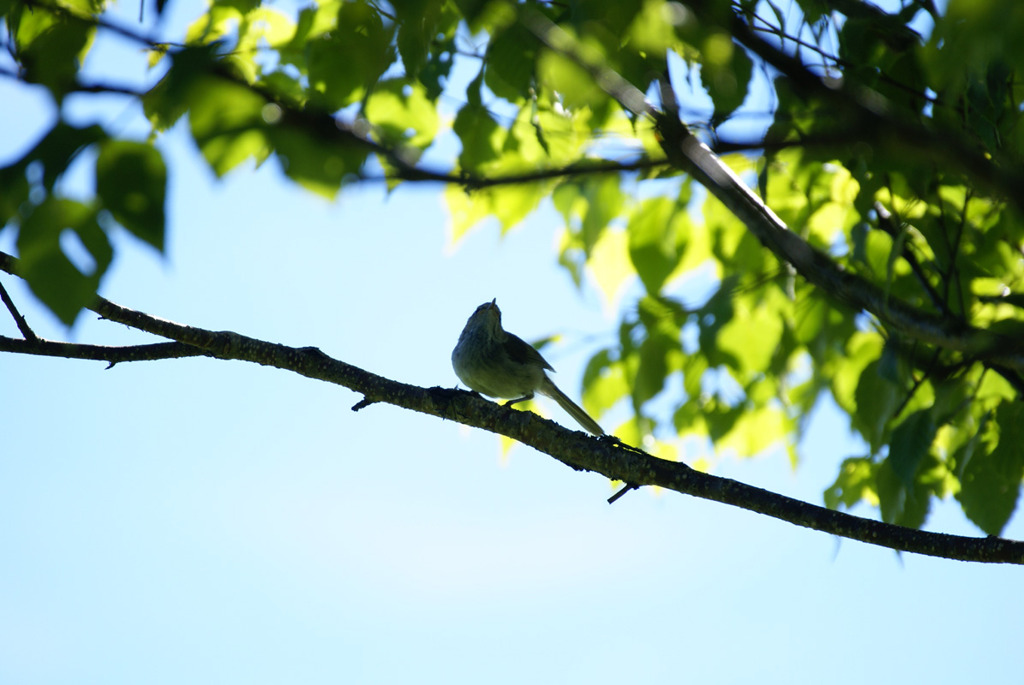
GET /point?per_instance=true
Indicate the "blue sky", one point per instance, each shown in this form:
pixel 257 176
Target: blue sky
pixel 206 521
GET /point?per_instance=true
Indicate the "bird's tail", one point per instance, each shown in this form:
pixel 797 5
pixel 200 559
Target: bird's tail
pixel 574 410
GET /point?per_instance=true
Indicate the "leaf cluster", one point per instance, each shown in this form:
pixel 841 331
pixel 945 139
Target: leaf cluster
pixel 888 143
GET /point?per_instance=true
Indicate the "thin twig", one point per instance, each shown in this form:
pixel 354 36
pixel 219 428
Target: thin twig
pixel 113 355
pixel 615 498
pixel 893 226
pixel 23 326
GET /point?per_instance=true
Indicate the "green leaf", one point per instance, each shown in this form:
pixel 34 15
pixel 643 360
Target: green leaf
pixel 417 25
pixel 694 366
pixel 284 88
pixel 855 483
pixel 649 32
pixel 345 63
pixel 215 25
pixel 465 210
pixel 604 204
pixel 911 441
pixel 314 153
pixel 511 204
pixel 402 113
pixel 604 384
pixel 715 314
pixel 59 147
pixel 652 242
pixel 51 49
pixel 508 204
pixel 899 504
pixel 755 429
pixel 168 100
pixel 511 63
pixel 227 121
pixel 752 335
pixel 877 397
pixel 654 366
pixel 720 418
pixel 479 134
pixel 689 418
pixel 991 478
pixel 131 182
pixel 571 81
pixel 51 155
pixel 608 263
pixel 16 192
pixel 589 205
pixel 860 349
pixel 725 73
pixel 471 10
pixel 54 278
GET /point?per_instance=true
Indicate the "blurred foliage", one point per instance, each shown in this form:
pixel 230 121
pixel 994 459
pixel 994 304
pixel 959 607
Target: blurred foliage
pixel 717 340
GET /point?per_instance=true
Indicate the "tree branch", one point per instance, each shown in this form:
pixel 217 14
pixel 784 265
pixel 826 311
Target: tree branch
pixel 688 154
pixel 893 228
pixel 114 355
pixel 407 172
pixel 607 455
pixel 79 87
pixel 328 126
pixel 693 157
pixel 18 318
pixel 875 121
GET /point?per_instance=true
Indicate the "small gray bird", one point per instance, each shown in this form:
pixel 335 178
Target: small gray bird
pixel 496 363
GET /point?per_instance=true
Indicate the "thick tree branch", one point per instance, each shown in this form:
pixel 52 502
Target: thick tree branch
pixel 693 157
pixel 606 455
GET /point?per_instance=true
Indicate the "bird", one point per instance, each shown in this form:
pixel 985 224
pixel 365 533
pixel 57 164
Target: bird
pixel 496 363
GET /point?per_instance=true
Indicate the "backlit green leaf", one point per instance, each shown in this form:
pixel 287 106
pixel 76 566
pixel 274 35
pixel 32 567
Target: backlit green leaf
pixel 855 483
pixel 346 62
pixel 900 504
pixel 652 242
pixel 991 478
pixel 511 58
pixel 61 284
pixel 131 182
pixel 752 335
pixel 52 47
pixel 567 78
pixel 910 443
pixel 604 384
pixel 480 136
pixel 227 121
pixel 315 153
pixel 877 398
pixel 402 113
pixel 755 430
pixel 725 73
